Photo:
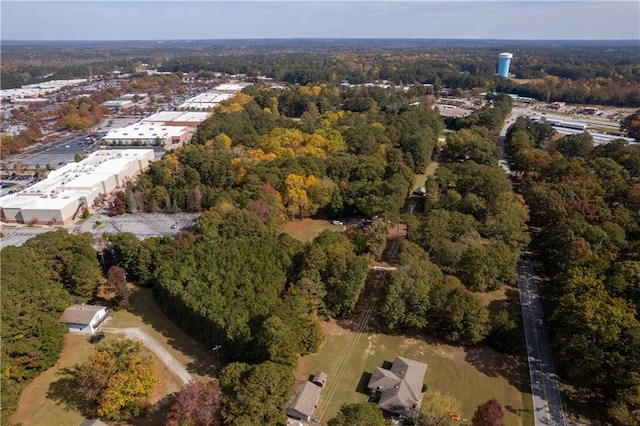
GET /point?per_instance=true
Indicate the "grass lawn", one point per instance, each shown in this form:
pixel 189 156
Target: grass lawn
pixel 420 179
pixel 38 403
pixel 471 375
pixel 306 230
pixel 35 407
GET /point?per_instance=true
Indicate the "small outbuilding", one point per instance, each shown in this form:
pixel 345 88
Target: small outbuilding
pixel 304 401
pixel 320 378
pixel 83 318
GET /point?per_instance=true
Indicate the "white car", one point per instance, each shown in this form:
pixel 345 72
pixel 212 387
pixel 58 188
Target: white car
pixel 337 222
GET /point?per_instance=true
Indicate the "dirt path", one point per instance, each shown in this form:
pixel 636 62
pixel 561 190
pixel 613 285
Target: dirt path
pixel 135 333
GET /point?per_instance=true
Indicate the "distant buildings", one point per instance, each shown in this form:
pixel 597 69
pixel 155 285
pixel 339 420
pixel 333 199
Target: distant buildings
pixel 75 187
pixel 37 90
pixel 209 100
pixel 504 61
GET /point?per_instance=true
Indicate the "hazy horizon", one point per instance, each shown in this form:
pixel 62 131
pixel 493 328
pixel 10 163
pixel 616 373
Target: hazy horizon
pixel 91 20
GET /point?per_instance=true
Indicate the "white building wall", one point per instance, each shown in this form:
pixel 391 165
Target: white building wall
pixel 109 184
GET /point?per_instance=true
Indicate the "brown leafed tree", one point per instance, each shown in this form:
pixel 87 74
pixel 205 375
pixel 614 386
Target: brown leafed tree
pixel 117 283
pixel 118 205
pixel 197 404
pixel 488 414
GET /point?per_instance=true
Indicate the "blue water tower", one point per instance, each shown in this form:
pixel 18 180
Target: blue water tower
pixel 504 60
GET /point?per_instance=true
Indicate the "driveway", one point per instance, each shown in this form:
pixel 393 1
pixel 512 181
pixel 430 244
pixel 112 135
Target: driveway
pixel 152 344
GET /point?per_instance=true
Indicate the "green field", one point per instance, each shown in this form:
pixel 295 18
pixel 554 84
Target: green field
pixel 306 230
pixel 471 375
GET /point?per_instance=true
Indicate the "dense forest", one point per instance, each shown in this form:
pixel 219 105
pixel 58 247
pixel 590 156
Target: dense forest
pixel 585 211
pixel 578 72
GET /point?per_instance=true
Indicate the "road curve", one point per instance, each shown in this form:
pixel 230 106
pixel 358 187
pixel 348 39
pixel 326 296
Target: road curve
pixel 152 344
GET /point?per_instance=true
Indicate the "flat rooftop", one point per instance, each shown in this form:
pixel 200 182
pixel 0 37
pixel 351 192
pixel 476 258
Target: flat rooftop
pixel 75 180
pixel 144 130
pixel 188 116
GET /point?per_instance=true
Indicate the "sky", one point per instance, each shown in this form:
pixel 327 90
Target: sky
pixel 236 19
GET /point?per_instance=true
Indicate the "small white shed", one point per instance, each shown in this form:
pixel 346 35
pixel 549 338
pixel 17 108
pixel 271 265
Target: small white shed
pixel 83 318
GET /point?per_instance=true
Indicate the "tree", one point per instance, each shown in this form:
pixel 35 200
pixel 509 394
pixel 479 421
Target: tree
pixel 116 380
pixel 631 124
pixel 77 157
pixel 488 414
pixel 577 145
pixel 197 404
pixel 362 414
pixel 118 205
pixel 256 394
pixel 117 283
pixel 436 409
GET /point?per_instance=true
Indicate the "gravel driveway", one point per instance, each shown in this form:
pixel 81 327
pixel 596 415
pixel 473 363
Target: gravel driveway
pixel 152 344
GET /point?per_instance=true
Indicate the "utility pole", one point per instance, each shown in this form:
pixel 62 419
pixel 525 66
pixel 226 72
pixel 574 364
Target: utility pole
pixel 215 349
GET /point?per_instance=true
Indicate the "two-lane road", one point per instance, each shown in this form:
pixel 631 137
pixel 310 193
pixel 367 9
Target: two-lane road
pixel 547 404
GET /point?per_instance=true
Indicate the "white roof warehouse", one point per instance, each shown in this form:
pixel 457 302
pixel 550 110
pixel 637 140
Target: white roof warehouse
pixel 71 189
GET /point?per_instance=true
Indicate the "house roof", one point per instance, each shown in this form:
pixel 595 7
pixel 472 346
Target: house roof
pixel 304 401
pixel 400 387
pixel 79 314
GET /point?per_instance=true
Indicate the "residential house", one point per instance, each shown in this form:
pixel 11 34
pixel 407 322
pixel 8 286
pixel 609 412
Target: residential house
pixel 399 390
pixel 83 318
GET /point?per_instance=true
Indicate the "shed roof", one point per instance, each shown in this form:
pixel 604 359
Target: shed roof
pixel 80 314
pixel 320 377
pixel 304 401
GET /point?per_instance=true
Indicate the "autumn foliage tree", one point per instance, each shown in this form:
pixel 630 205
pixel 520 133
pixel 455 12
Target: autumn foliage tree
pixel 488 414
pixel 118 205
pixel 197 404
pixel 116 380
pixel 117 284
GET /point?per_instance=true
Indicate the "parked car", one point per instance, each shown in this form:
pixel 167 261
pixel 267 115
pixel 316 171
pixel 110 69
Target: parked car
pixel 175 225
pixel 338 223
pixel 97 337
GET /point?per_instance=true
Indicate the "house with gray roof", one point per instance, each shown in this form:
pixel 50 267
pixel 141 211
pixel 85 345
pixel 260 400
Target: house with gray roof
pixel 83 318
pixel 304 401
pixel 398 390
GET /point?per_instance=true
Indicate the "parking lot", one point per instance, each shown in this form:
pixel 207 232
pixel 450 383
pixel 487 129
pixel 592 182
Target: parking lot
pixel 143 225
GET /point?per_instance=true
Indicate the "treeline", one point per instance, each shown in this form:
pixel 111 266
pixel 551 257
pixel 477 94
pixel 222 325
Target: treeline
pixel 589 72
pixel 40 279
pixel 585 206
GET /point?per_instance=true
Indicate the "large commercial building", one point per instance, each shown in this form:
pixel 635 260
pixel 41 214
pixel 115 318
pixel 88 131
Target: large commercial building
pixel 75 187
pixel 504 61
pixel 149 134
pixel 177 118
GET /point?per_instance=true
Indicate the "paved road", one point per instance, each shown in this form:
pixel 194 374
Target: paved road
pixel 547 403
